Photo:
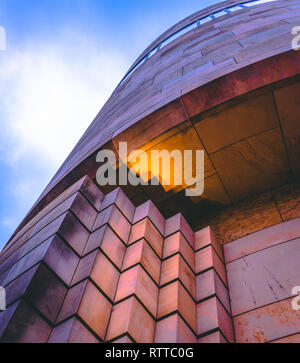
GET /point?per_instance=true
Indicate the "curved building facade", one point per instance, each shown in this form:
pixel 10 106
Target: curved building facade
pixel 147 263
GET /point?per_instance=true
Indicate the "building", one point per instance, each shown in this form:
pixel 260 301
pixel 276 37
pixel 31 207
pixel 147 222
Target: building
pixel 147 263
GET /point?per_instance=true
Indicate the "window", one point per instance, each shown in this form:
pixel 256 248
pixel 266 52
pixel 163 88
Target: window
pixel 188 28
pixel 178 34
pixel 205 20
pixel 234 8
pixel 220 13
pixel 257 2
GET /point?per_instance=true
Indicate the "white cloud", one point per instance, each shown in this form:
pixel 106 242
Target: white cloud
pixel 49 94
pixel 8 222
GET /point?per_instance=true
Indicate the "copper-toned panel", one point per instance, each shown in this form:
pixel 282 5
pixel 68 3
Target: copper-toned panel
pixel 249 166
pixel 137 282
pixel 116 221
pixel 142 253
pixel 130 317
pixel 177 243
pixel 211 315
pixel 233 124
pixel 174 298
pixel 176 268
pixel 145 229
pixel 207 259
pixel 72 331
pixel 174 330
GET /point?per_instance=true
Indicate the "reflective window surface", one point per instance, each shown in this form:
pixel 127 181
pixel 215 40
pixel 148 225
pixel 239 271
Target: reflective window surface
pixel 192 26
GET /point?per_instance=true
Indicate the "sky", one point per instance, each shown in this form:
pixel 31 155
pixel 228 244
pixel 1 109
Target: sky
pixel 62 61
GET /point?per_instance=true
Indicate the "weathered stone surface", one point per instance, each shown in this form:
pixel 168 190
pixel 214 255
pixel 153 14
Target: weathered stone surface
pixel 214 338
pixel 248 166
pixel 264 277
pixel 233 124
pixel 267 323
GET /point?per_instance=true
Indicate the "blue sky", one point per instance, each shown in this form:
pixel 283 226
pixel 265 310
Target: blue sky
pixel 63 60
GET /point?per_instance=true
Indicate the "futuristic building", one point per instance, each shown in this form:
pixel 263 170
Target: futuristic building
pixel 147 263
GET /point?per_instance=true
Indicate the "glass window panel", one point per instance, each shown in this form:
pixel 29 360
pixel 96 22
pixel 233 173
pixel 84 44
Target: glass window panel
pixel 189 27
pixel 178 34
pixel 257 2
pixel 264 1
pixel 139 63
pixel 169 40
pixel 133 69
pixel 235 8
pixel 153 51
pixel 220 13
pixel 205 20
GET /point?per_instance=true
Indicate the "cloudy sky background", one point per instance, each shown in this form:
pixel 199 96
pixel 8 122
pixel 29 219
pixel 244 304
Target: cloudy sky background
pixel 63 60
